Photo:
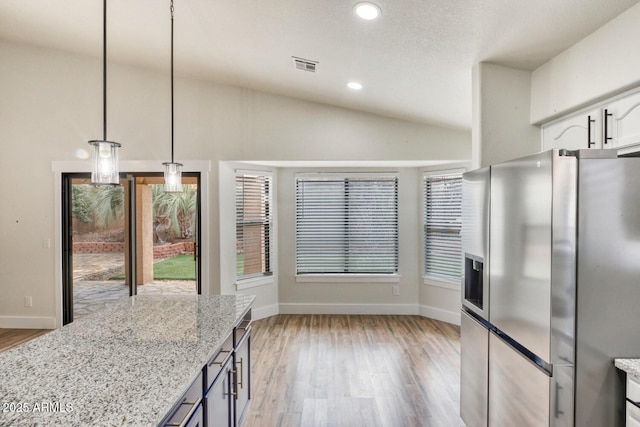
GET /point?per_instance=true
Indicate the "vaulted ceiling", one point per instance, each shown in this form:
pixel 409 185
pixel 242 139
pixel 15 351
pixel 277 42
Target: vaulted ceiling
pixel 414 62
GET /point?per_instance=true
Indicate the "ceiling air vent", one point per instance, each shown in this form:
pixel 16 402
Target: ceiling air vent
pixel 304 64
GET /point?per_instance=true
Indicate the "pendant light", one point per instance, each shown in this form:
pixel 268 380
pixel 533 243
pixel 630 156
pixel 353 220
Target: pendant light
pixel 172 170
pixel 104 170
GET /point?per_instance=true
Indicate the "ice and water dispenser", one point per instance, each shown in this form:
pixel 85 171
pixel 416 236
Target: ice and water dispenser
pixel 473 282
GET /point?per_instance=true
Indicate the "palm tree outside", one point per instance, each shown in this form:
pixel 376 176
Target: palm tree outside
pixel 98 227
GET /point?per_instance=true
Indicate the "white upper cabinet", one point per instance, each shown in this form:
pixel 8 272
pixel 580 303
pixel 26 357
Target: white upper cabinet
pixel 614 124
pixel 575 132
pixel 621 122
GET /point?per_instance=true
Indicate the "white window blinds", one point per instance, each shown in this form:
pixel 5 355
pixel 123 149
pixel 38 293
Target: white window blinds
pixel 346 224
pixel 253 224
pixel 442 225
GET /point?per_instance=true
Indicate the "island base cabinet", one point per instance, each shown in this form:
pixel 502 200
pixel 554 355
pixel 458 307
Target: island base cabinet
pixel 228 379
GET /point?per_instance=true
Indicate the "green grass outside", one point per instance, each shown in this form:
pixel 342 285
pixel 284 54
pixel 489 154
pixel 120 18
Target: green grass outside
pixel 239 264
pixel 181 267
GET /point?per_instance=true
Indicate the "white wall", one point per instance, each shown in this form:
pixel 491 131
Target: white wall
pixel 601 65
pixel 501 102
pixel 51 104
pixel 344 297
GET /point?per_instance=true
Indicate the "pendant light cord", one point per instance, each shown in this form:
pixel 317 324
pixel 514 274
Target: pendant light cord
pixel 104 70
pixel 171 81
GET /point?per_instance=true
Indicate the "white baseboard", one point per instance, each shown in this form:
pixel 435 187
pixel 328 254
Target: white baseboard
pixel 302 308
pixel 452 317
pixel 402 309
pixel 263 312
pixel 25 322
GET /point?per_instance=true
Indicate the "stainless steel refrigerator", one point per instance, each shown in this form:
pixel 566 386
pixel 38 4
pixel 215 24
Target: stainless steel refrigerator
pixel 551 289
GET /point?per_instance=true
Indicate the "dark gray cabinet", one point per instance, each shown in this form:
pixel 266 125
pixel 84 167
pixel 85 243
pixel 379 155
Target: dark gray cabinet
pixel 228 379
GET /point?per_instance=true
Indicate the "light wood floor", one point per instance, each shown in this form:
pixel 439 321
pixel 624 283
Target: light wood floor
pixel 333 370
pixel 12 337
pixel 329 370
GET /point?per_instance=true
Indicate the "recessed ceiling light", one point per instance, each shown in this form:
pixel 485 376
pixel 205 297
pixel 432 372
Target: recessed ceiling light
pixel 367 10
pixel 354 85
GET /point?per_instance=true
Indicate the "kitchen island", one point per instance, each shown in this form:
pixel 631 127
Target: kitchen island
pixel 631 367
pixel 128 364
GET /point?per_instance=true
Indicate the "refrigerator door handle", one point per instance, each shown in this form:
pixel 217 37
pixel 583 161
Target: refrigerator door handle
pixel 557 411
pixel 562 411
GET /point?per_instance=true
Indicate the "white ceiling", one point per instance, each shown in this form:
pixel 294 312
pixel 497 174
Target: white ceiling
pixel 414 62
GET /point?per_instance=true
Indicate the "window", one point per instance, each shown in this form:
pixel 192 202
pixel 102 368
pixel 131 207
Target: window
pixel 442 226
pixel 346 224
pixel 253 224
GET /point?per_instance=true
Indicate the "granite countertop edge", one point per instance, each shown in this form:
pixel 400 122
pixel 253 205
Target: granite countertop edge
pixel 125 365
pixel 630 366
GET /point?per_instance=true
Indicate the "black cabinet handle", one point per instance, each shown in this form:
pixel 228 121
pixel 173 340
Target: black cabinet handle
pixel 606 138
pixel 589 121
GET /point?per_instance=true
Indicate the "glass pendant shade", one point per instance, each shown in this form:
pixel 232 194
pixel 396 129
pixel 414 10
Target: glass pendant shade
pixel 104 169
pixel 172 177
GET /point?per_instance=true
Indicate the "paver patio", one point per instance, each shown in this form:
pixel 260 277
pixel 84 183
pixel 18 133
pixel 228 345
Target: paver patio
pixel 90 296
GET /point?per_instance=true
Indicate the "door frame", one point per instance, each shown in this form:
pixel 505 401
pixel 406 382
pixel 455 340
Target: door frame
pixel 203 167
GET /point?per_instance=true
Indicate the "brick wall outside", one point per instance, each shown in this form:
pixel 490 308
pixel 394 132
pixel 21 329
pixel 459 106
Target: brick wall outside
pixel 163 251
pixel 98 247
pixel 173 249
pixel 254 251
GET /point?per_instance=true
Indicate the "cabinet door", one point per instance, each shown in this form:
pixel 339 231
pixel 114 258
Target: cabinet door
pixel 633 415
pixel 622 121
pixel 218 400
pixel 573 133
pixel 242 363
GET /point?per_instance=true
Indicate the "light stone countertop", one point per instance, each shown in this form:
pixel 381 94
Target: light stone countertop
pixel 630 366
pixel 124 365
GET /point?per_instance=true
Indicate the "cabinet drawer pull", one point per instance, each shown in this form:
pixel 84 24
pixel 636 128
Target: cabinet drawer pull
pixel 184 401
pixel 241 373
pixel 228 354
pixel 244 324
pixel 234 372
pixel 244 336
pixel 194 406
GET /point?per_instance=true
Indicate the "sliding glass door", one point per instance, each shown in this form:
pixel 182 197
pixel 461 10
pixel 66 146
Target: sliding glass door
pixel 126 240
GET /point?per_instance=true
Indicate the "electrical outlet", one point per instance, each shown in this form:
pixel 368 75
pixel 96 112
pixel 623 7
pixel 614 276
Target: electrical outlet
pixel 28 301
pixel 396 290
